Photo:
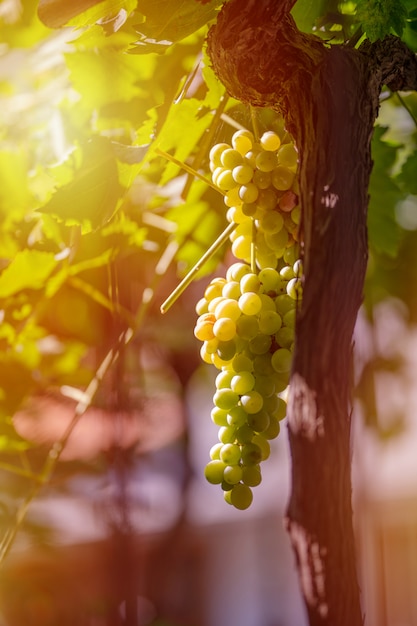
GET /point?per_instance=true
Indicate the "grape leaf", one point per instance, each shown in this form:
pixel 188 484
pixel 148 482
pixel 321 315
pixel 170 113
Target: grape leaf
pixel 407 177
pixel 168 21
pixel 91 197
pixel 381 17
pixel 384 231
pixel 28 270
pixel 57 13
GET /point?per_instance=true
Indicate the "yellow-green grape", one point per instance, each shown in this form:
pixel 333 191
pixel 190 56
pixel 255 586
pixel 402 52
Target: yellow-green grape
pixel 288 155
pixel 227 307
pixel 281 360
pixel 296 215
pixel 271 222
pixel 214 471
pixel 225 399
pixel 240 496
pixel 233 474
pixel 242 141
pixel 215 451
pixel 262 180
pixel 243 382
pixel 267 200
pixel 248 193
pixel 230 158
pixel 241 247
pixel 250 303
pixel 294 288
pixel 242 174
pixel 261 441
pixel 251 475
pixel 282 178
pixel 225 180
pixel 216 152
pixel 249 282
pixel 270 141
pixel 266 161
pixel 219 416
pixel 230 453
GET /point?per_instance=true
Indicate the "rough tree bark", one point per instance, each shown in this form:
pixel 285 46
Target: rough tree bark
pixel 329 97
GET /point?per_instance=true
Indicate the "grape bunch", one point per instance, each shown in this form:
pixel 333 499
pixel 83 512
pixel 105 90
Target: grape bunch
pixel 258 180
pixel 247 318
pixel 246 323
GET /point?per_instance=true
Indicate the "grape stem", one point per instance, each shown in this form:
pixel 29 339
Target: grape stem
pixel 193 271
pixel 188 169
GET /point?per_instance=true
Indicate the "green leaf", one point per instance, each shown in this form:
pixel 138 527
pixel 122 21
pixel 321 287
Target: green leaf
pixel 306 12
pixel 381 17
pixel 407 178
pixel 169 21
pixel 28 270
pixel 58 13
pixel 384 231
pixel 90 199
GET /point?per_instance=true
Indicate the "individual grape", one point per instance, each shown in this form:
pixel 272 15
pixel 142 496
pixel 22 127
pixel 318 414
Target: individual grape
pixel 205 355
pixel 250 303
pixel 251 454
pixel 242 141
pixel 266 161
pixel 230 453
pixel 242 383
pixel 236 417
pixel 215 451
pixel 247 326
pixel 244 434
pixel 251 475
pixel 227 434
pixel 262 180
pixel 226 350
pixel 223 379
pixel 268 304
pixel 231 198
pixel 231 290
pixel 225 180
pixel 231 158
pixel 269 322
pixel 282 178
pixel 281 409
pixel 288 155
pixel 241 496
pixel 216 152
pixel 260 344
pixel 289 318
pixel 260 441
pixel 242 363
pixel 294 288
pixel 214 289
pixel 281 360
pixel 284 303
pixel 248 193
pixel 269 279
pixel 288 201
pixel 219 416
pixel 249 282
pixel 273 429
pixel 227 308
pixel 287 272
pixel 233 474
pixel 224 329
pixel 252 402
pixel 267 200
pixel 265 385
pixel 270 141
pixel 249 209
pixel 272 222
pixel 241 247
pixel 296 215
pixel 242 174
pixel 258 422
pixel 214 471
pixel 225 399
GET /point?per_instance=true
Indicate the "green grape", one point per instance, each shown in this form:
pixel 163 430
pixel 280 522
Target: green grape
pixel 272 222
pixel 242 363
pixel 248 193
pixel 233 474
pixel 227 434
pixel 231 291
pixel 281 360
pixel 270 141
pixel 223 379
pixel 236 271
pixel 224 329
pixel 225 485
pixel 242 174
pixel 296 215
pixel 290 318
pixel 225 181
pixel 214 290
pixel 226 350
pixel 291 255
pixel 267 200
pixel 269 322
pixel 271 404
pixel 277 241
pixel 273 429
pixel 236 417
pixel 230 454
pixel 251 454
pixel 268 303
pixel 252 402
pixel 258 422
pixel 266 161
pixel 214 471
pixel 287 272
pixel 225 399
pixel 231 198
pixel 241 247
pixel 284 303
pixel 262 180
pixel 269 279
pixel 251 475
pixel 201 307
pixel 219 416
pixel 231 158
pixel 235 215
pixel 242 141
pixel 260 344
pixel 288 155
pixel 298 268
pixel 204 354
pixel 265 385
pixel 243 382
pixel 227 308
pixel 216 152
pixel 281 409
pixel 244 434
pixel 262 365
pixel 250 303
pixel 282 178
pixel 252 154
pixel 281 382
pixel 294 289
pixel 249 283
pixel 247 326
pixel 249 209
pixel 241 496
pixel 260 441
pixel 215 451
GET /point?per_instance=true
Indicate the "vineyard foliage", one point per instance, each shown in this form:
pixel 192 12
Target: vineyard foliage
pixel 102 102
